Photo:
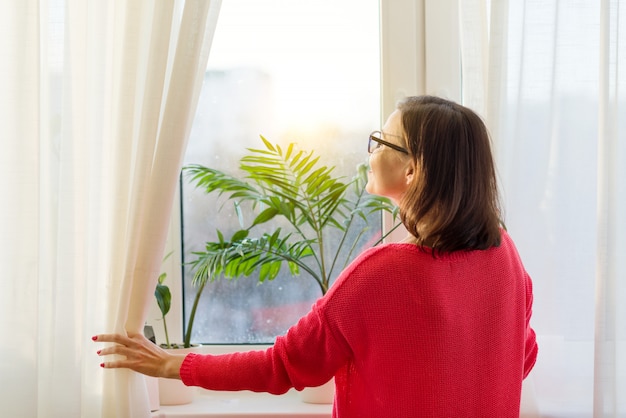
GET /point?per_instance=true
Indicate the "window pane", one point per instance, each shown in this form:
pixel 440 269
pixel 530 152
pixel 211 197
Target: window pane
pixel 293 71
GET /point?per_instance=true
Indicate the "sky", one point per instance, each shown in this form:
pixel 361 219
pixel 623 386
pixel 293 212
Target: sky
pixel 323 55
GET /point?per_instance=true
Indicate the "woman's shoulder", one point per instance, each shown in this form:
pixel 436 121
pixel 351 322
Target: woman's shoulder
pixel 390 251
pixel 384 260
pixel 417 253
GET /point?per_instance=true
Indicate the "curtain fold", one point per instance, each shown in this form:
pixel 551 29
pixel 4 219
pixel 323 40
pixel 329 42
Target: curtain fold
pixel 151 202
pixel 610 319
pixel 96 100
pixel 20 198
pixel 553 97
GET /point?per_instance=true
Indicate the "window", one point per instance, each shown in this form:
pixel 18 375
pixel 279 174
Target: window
pixel 389 47
pixel 293 71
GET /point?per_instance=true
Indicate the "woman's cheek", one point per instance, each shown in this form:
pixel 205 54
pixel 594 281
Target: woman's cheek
pixel 369 187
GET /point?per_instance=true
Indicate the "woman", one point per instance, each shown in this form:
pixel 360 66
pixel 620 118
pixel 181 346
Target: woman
pixel 435 326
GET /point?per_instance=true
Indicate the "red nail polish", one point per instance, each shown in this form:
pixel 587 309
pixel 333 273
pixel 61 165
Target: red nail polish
pixel 101 364
pixel 98 352
pixel 95 338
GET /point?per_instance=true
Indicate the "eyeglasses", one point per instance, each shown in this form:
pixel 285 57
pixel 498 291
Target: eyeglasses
pixel 376 139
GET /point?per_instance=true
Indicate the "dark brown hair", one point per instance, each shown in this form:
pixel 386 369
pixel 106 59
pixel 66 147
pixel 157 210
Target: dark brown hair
pixel 453 202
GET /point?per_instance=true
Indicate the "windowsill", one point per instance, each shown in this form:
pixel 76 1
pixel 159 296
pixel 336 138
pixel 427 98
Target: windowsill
pixel 244 404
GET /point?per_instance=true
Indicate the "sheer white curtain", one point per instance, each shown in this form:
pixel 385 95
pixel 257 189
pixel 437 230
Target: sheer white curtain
pixel 550 78
pixel 96 101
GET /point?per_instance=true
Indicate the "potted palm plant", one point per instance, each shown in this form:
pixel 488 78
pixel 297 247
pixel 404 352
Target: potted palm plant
pixel 316 208
pixel 293 185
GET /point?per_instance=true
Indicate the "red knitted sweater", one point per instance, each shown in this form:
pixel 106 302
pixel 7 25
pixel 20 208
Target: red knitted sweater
pixel 405 334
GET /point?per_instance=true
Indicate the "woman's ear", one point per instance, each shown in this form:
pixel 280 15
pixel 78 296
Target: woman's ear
pixel 410 173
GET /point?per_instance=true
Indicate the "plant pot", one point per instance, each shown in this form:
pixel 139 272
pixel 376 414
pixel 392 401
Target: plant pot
pixel 174 391
pixel 324 394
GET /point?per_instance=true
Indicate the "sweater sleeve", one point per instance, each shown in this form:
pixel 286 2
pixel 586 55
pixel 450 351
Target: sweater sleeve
pixel 308 355
pixel 531 348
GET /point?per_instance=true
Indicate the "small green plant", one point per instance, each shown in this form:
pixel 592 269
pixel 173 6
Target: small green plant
pixel 163 297
pixel 164 301
pixel 292 185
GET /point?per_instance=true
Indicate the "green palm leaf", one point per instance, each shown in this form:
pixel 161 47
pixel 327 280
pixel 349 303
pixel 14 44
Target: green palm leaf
pixel 293 185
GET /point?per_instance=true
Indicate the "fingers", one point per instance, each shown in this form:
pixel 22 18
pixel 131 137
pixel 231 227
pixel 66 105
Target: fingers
pixel 131 340
pixel 113 365
pixel 111 338
pixel 115 349
pixel 120 341
pixel 125 363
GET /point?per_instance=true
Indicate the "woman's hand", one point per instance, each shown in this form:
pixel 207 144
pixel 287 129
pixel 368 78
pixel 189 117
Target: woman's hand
pixel 142 355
